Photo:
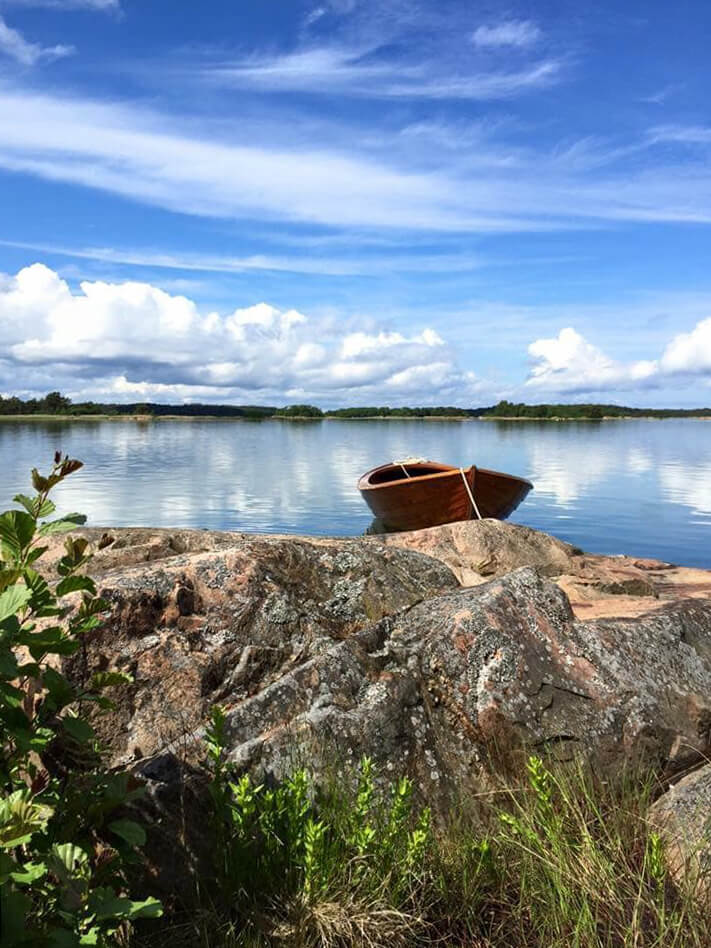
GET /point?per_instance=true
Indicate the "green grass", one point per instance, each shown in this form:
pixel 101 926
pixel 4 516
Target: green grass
pixel 561 859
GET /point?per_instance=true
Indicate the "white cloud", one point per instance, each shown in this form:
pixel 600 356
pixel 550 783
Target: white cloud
pixel 355 265
pixel 345 181
pixel 107 5
pixel 569 363
pixel 689 352
pixel 14 44
pixel 681 134
pixel 133 340
pixel 355 72
pixel 509 33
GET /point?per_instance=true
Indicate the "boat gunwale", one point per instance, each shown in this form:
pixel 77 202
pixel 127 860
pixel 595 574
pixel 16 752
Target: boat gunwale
pixel 364 480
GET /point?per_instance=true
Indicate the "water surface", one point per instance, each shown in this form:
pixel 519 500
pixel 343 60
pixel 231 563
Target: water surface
pixel 637 487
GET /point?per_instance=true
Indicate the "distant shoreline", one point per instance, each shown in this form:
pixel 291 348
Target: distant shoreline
pixel 144 419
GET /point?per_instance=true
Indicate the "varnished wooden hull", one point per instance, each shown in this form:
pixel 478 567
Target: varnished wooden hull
pixel 430 494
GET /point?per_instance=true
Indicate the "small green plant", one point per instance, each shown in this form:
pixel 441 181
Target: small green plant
pixel 63 846
pixel 293 846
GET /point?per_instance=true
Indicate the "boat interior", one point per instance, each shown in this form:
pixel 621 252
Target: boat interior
pixel 401 472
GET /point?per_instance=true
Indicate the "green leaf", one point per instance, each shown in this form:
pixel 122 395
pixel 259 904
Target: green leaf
pixel 69 856
pixel 35 554
pixel 29 503
pixel 43 602
pixel 20 818
pixel 128 830
pixel 72 584
pixel 79 729
pixel 108 679
pixel 11 696
pixel 52 640
pixel 105 904
pixel 30 872
pixel 149 908
pixel 60 692
pixel 9 668
pixel 70 522
pixel 47 509
pixel 9 577
pixel 17 529
pixel 13 600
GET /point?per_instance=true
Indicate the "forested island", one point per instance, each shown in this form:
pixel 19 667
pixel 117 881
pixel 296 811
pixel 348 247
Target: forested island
pixel 56 404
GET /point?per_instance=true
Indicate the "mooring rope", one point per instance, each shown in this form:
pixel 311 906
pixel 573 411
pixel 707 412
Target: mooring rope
pixel 471 495
pixel 402 462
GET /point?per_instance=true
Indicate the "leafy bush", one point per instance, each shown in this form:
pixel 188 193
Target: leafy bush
pixel 63 846
pixel 292 847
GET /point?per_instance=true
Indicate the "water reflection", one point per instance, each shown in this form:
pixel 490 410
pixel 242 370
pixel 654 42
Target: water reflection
pixel 637 487
pixel 688 485
pixel 565 472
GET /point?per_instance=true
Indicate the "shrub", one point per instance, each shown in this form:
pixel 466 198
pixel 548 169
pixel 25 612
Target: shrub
pixel 63 847
pixel 301 853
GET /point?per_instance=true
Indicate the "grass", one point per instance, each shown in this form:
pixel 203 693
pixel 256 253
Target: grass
pixel 559 859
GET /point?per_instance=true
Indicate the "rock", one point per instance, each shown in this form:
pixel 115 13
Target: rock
pixel 449 687
pixel 476 550
pixel 346 641
pixel 323 650
pixel 199 628
pixel 597 586
pixel 683 818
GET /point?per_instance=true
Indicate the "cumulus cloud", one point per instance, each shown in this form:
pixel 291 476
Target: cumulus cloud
pixel 689 352
pixel 569 363
pixel 133 340
pixel 509 33
pixel 14 45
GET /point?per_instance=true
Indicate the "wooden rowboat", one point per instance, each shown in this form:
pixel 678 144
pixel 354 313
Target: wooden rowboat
pixel 414 494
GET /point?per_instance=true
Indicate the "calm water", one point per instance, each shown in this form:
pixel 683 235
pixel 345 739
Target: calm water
pixel 637 487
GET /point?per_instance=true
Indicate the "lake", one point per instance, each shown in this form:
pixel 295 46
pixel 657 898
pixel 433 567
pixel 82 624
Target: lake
pixel 636 487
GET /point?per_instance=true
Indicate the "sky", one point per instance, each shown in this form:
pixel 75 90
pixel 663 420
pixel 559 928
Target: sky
pixel 352 202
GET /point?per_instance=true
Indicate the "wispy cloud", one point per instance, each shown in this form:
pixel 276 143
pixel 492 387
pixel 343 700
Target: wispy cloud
pixel 106 5
pixel 14 44
pixel 681 134
pixel 363 73
pixel 190 167
pixel 383 263
pixel 518 33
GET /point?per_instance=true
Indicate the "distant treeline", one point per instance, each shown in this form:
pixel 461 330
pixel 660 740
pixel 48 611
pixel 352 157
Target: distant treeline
pixel 57 404
pixel 425 412
pixel 506 409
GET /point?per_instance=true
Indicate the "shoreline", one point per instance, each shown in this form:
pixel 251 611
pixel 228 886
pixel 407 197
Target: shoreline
pixel 144 419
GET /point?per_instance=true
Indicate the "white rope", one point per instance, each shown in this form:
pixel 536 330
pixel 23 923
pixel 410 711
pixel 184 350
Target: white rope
pixel 471 496
pixel 404 461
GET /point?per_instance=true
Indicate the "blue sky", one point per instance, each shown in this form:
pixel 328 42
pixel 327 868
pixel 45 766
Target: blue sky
pixel 355 202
